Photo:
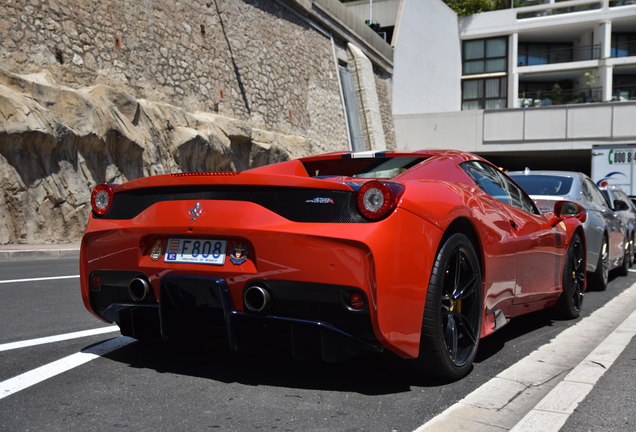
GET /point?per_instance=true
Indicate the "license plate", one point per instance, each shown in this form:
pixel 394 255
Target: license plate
pixel 197 251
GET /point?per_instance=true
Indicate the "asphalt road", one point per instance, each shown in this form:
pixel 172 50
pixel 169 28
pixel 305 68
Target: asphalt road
pixel 146 387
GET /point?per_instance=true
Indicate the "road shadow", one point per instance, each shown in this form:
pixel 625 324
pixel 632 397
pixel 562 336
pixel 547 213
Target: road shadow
pixel 370 374
pixel 515 329
pixel 373 374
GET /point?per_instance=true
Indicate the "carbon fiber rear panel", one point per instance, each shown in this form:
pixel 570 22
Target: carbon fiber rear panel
pixel 295 204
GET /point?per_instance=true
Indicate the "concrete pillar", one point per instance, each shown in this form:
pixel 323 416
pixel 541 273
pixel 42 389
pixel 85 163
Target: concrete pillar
pixel 369 97
pixel 513 75
pixel 603 37
pixel 606 71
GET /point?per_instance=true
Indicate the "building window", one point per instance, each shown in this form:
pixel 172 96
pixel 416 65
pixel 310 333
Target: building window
pixel 544 53
pixel 485 93
pixel 542 93
pixel 623 45
pixel 624 88
pixel 485 56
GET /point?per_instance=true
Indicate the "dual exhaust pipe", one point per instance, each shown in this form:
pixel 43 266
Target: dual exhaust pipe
pixel 138 289
pixel 256 297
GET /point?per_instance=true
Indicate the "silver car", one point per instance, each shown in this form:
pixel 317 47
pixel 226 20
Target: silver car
pixel 626 210
pixel 605 232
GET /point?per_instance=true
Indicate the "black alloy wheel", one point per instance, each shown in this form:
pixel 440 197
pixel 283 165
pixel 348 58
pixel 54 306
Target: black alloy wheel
pixel 573 281
pixel 452 315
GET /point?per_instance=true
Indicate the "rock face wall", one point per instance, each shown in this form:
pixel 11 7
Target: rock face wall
pixel 57 143
pixel 252 60
pixel 99 91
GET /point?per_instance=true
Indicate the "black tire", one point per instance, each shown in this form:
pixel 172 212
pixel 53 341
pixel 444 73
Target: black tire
pixel 623 270
pixel 601 274
pixel 453 311
pixel 573 281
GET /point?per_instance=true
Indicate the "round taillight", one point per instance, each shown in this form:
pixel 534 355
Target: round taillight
pixel 377 199
pixel 102 198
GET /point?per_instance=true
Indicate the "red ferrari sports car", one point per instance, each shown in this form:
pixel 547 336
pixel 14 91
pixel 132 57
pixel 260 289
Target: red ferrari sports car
pixel 419 253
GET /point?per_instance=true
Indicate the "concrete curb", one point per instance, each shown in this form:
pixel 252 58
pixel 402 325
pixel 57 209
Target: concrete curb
pixel 37 252
pixel 520 394
pixel 551 413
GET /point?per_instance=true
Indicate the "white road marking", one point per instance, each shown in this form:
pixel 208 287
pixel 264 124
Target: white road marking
pixel 35 376
pixel 57 338
pixel 501 403
pixel 37 279
pixel 553 411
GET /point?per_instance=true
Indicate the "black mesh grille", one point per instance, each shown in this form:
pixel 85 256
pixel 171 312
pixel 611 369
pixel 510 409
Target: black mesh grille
pixel 295 204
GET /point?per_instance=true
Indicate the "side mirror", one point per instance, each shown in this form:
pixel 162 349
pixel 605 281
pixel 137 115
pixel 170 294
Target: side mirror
pixel 568 209
pixel 620 205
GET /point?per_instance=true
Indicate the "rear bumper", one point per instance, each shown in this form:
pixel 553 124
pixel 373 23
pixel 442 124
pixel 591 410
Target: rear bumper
pixel 388 261
pixel 200 307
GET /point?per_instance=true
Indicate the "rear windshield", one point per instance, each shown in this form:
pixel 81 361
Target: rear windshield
pixel 375 167
pixel 544 184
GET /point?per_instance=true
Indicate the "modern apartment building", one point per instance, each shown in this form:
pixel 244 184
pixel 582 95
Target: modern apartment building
pixel 536 84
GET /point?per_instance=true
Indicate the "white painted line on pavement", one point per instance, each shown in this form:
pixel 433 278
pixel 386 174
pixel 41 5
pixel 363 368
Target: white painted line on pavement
pixel 38 279
pixel 57 338
pixel 35 376
pixel 553 411
pixel 58 249
pixel 501 403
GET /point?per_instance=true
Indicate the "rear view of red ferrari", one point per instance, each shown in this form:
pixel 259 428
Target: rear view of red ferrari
pixel 419 253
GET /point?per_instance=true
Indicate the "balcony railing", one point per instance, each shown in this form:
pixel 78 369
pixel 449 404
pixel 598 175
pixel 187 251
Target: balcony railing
pixel 515 4
pixel 524 3
pixel 624 93
pixel 614 3
pixel 560 97
pixel 623 49
pixel 559 55
pixel 559 9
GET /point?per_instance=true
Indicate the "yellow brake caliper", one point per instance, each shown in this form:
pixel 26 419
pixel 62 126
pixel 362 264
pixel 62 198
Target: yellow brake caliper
pixel 456 304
